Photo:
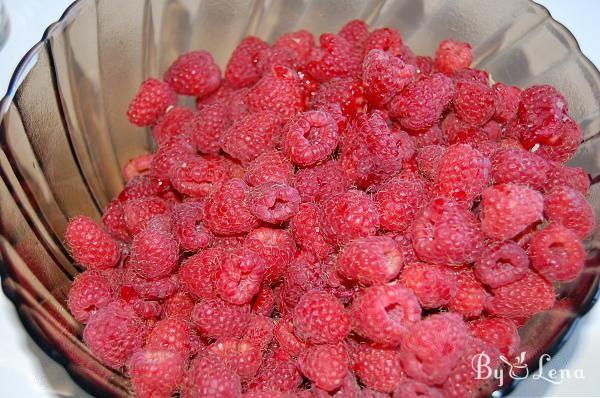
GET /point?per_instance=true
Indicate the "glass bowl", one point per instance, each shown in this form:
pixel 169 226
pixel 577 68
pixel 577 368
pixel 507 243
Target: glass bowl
pixel 65 135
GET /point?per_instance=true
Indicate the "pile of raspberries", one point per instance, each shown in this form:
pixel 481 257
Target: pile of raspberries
pixel 334 218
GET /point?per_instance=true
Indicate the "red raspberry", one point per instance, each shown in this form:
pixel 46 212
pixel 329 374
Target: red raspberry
pixel 347 93
pixel 214 318
pixel 273 203
pixel 431 136
pixel 446 233
pixel 300 43
pixel 239 275
pixel 421 104
pixel 501 333
pixel 170 334
pixel 378 368
pixel 276 91
pixel 383 313
pixel 200 177
pixel 138 212
pixel 520 167
pixel 114 333
pixel 540 106
pixel 225 211
pixel 207 126
pixel 264 301
pixel 89 292
pixel 386 39
pixel 275 247
pixel 242 356
pixel 472 75
pixel 424 65
pixel 474 103
pixel 260 331
pixel 173 152
pixel 348 216
pixel 276 375
pixel 320 318
pixel 335 57
pixel 179 306
pixel 509 98
pixel 434 285
pixel 156 373
pixel 501 264
pixel 522 298
pixel 209 377
pixel 154 253
pixel 563 143
pixel 196 274
pixel 172 124
pixel 349 388
pixel 574 177
pixel 326 366
pixel 315 184
pixel 251 135
pixel 398 202
pixel 307 230
pixel 568 207
pixel 242 68
pixel 137 166
pixel 508 209
pixel 557 253
pixel 372 260
pixel 433 347
pixel 187 225
pixel 143 186
pixel 413 389
pixel 279 56
pixel 300 277
pixel 452 56
pixel 309 137
pixel 384 75
pixel 470 296
pixel 355 32
pixel 90 245
pixel 428 160
pixel 149 310
pixel 149 290
pixel 287 340
pixel 194 73
pixel 270 166
pixel 460 132
pixel 150 102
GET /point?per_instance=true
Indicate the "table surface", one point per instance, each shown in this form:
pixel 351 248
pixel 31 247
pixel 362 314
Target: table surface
pixel 26 371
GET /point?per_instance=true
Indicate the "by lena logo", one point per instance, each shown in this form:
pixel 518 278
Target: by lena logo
pixel 518 369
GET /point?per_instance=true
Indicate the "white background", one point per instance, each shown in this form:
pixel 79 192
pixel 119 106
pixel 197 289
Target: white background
pixel 25 371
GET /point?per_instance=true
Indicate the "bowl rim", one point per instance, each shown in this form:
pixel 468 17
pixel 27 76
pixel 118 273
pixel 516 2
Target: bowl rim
pixel 20 73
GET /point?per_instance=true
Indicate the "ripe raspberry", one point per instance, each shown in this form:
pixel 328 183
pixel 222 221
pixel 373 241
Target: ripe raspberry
pixel 90 291
pixel 383 313
pixel 251 135
pixel 326 366
pixel 242 68
pixel 428 160
pixel 194 73
pixel 574 177
pixel 309 137
pixel 446 233
pixel 563 144
pixel 347 216
pixel 557 253
pixel 433 347
pixel 320 318
pixel 315 184
pixel 154 253
pixel 148 290
pixel 275 247
pixel 434 285
pixel 242 356
pixel 214 318
pixel 264 301
pixel 474 103
pixel 509 98
pixel 276 375
pixel 398 202
pixel 287 340
pixel 171 124
pixel 186 219
pixel 520 167
pixel 276 91
pixel 378 368
pixel 239 275
pixel 541 106
pixel 90 245
pixel 113 221
pixel 347 93
pixel 138 212
pixel 145 309
pixel 209 377
pixel 307 230
pixel 349 388
pixel 170 334
pixel 173 152
pixel 156 373
pixel 452 56
pixel 137 166
pixel 568 207
pixel 508 209
pixel 424 64
pixel 500 333
pixel 196 274
pixel 472 75
pixel 260 331
pixel 270 166
pixel 460 132
pixel 179 306
pixel 225 211
pixel 470 296
pixel 207 126
pixel 385 39
pixel 300 43
pixel 150 102
pixel 200 176
pixel 143 186
pixel 522 298
pixel 413 389
pixel 273 203
pixel 335 57
pixel 355 32
pixel 114 333
pixel 384 75
pixel 300 277
pixel 501 264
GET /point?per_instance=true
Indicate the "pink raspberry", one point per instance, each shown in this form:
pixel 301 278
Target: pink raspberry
pixel 355 32
pixel 501 333
pixel 320 318
pixel 90 245
pixel 286 339
pixel 196 274
pixel 446 233
pixel 335 57
pixel 471 75
pixel 348 216
pixel 260 331
pixel 279 56
pixel 264 301
pixel 194 73
pixel 214 318
pixel 273 203
pixel 171 334
pixel 137 166
pixel 433 347
pixel 270 166
pixel 156 373
pixel 326 366
pixel 200 176
pixel 452 56
pixel 275 247
pixel 276 375
pixel 113 221
pixel 172 124
pixel 347 93
pixel 209 377
pixel 191 234
pixel 309 137
pixel 315 184
pixel 242 68
pixel 382 314
pixel 470 296
pixel 226 212
pixel 385 39
pixel 424 64
pixel 557 253
pixel 89 292
pixel 384 75
pixel 564 141
pixel 568 207
pixel 149 289
pixel 541 106
pixel 276 91
pixel 154 253
pixel 474 103
pixel 179 305
pixel 520 167
pixel 150 102
pixel 574 177
pixel 300 43
pixel 172 152
pixel 307 230
pixel 300 277
pixel 146 309
pixel 207 126
pixel 413 389
pixel 428 160
pixel 143 186
pixel 377 367
pixel 138 212
pixel 239 275
pixel 460 132
pixel 242 356
pixel 509 98
pixel 501 264
pixel 434 285
pixel 349 388
pixel 508 209
pixel 251 135
pixel 398 202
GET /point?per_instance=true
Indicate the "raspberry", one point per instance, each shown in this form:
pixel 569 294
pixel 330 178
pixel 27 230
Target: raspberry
pixel 300 277
pixel 501 264
pixel 557 253
pixel 500 333
pixel 470 296
pixel 315 184
pixel 471 75
pixel 242 356
pixel 273 203
pixel 225 211
pixel 170 334
pixel 307 230
pixel 434 285
pixel 398 202
pixel 287 340
pixel 446 233
pixel 428 159
pixel 139 165
pixel 349 388
pixel 260 331
pixel 568 207
pixel 143 186
pixel 174 151
pixel 156 373
pixel 424 65
pixel 384 75
pixel 433 347
pixel 251 135
pixel 541 106
pixel 383 313
pixel 207 126
pixel 348 216
pixel 270 166
pixel 90 245
pixel 149 310
pixel 154 253
pixel 573 177
pixel 209 377
pixel 326 366
pixel 474 103
pixel 520 167
pixel 564 142
pixel 264 301
pixel 335 57
pixel 355 32
pixel 385 39
pixel 199 177
pixel 138 212
pixel 89 292
pixel 413 389
pixel 214 318
pixel 460 132
pixel 114 333
pixel 276 375
pixel 196 274
pixel 172 124
pixel 452 56
pixel 347 93
pixel 421 103
pixel 150 102
pixel 522 298
pixel 373 260
pixel 242 69
pixel 276 91
pixel 179 306
pixel 194 73
pixel 309 137
pixel 509 98
pixel 149 290
pixel 508 209
pixel 300 43
pixel 431 136
pixel 320 318
pixel 275 247
pixel 187 225
pixel 378 368
pixel 239 275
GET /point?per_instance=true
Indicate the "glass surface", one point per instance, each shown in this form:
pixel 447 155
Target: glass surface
pixel 4 25
pixel 64 134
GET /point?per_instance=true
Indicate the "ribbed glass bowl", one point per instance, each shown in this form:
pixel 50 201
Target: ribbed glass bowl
pixel 65 136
